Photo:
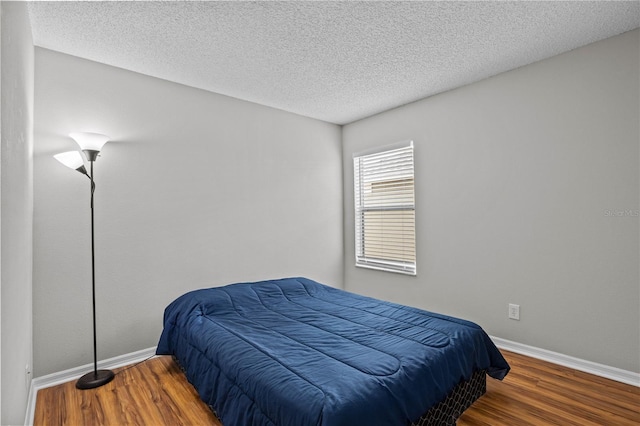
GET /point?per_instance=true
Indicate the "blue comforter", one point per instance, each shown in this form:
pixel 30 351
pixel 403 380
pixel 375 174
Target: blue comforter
pixel 295 352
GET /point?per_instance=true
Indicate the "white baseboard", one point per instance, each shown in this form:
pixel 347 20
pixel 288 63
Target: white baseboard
pixel 74 373
pixel 613 373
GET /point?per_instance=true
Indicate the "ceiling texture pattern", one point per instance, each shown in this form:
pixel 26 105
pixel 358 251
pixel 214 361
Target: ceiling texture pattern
pixel 333 61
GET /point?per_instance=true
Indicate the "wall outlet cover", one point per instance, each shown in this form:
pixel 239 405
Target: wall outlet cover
pixel 514 311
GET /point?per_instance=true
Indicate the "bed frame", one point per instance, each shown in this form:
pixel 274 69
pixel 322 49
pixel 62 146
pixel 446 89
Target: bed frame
pixel 461 397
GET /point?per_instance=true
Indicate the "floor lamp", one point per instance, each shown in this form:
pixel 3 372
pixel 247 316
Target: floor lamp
pixel 90 144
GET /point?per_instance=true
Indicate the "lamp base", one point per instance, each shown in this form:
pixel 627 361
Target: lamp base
pixel 95 379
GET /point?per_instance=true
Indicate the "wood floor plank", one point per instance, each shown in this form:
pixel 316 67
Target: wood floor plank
pixel 152 393
pixel 540 393
pixel 535 393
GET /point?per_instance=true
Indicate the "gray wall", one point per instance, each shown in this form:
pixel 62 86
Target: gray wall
pixel 194 190
pixel 527 192
pixel 16 153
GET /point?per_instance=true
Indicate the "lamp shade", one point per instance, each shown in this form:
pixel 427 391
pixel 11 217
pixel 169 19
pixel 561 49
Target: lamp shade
pixel 89 141
pixel 71 159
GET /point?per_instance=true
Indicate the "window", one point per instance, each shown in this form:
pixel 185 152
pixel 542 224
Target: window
pixel 385 209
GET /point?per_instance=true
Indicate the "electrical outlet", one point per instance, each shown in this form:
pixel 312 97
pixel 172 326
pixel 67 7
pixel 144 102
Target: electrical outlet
pixel 514 311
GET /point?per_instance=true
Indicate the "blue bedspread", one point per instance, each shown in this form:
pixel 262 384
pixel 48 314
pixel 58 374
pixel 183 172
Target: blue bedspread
pixel 295 352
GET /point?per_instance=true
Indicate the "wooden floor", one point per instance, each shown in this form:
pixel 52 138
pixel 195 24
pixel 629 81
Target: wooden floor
pixel 534 393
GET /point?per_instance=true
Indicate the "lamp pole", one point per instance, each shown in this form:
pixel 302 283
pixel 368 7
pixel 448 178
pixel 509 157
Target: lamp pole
pixel 96 378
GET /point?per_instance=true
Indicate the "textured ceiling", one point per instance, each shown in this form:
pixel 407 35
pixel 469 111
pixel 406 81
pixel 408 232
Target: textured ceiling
pixel 334 61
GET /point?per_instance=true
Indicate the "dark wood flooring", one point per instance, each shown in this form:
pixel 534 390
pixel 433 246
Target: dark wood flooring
pixel 535 392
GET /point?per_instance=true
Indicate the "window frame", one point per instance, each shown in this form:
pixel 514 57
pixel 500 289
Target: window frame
pixel 399 256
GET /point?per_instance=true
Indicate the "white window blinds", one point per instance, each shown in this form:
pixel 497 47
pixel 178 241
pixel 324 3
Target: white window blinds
pixel 385 209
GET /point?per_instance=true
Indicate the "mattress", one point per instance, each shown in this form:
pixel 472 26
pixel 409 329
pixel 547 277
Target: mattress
pixel 296 352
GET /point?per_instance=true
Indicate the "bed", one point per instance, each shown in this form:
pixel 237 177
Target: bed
pixel 294 352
